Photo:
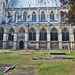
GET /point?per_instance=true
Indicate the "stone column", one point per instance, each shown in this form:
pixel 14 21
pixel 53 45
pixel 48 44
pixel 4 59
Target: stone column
pixel 15 41
pixel 60 40
pixel 59 16
pixel 7 18
pixel 26 39
pixel 16 18
pixel 48 41
pixel 22 16
pixel 37 39
pixel 71 39
pixel 13 17
pixel 27 19
pixel 37 18
pixel 48 19
pixel 55 13
pixel 48 15
pixel 5 38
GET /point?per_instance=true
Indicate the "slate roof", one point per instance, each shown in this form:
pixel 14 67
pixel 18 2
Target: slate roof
pixel 33 3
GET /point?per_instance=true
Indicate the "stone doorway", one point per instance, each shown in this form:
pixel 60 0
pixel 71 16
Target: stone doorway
pixel 21 45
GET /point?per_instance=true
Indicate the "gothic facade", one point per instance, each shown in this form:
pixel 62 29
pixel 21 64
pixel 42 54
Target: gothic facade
pixel 34 26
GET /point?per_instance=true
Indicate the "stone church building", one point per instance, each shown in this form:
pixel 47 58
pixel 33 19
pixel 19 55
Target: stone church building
pixel 34 24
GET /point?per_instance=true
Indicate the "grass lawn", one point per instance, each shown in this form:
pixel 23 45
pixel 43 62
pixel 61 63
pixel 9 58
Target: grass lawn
pixel 44 67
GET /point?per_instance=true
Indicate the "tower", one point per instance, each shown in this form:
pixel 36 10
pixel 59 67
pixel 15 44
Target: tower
pixel 2 10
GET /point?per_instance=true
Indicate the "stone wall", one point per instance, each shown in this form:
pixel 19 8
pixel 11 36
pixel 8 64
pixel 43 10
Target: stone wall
pixel 38 44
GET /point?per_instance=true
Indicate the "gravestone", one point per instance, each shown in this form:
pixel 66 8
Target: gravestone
pixel 47 58
pixel 45 53
pixel 20 73
pixel 5 67
pixel 26 54
pixel 60 56
pixel 6 52
pixel 35 58
pixel 25 68
pixel 57 53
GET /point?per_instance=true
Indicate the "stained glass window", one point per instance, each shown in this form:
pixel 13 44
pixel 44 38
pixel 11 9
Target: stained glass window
pixel 52 17
pixel 42 16
pixel 32 35
pixel 54 35
pixel 65 35
pixel 34 16
pixel 43 35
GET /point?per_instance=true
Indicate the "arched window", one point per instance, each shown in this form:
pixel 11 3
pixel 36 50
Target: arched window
pixel 11 35
pixel 62 17
pixel 43 35
pixel 1 34
pixel 34 16
pixel 24 16
pixel 74 34
pixel 42 16
pixel 21 33
pixel 54 35
pixel 52 17
pixel 65 35
pixel 32 35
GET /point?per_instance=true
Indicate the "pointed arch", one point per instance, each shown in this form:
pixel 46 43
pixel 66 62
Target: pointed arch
pixel 43 34
pixel 21 33
pixel 32 34
pixel 65 34
pixel 33 16
pixel 43 16
pixel 21 30
pixel 54 34
pixel 21 45
pixel 11 34
pixel 24 16
pixel 52 16
pixel 62 16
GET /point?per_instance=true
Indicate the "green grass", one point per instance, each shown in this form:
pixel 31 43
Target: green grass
pixel 44 67
pixel 1 73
